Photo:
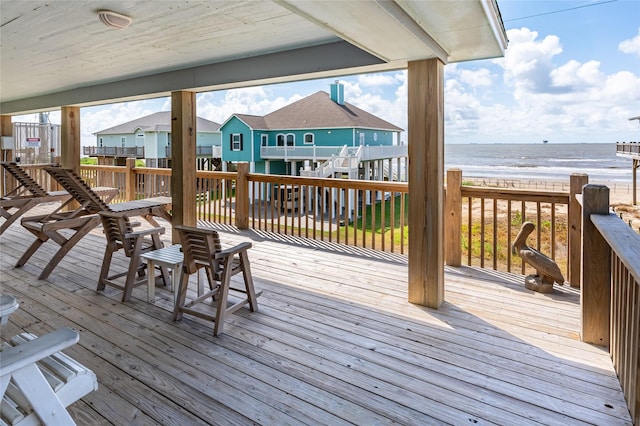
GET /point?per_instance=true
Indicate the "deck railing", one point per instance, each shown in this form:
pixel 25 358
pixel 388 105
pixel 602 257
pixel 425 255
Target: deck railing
pixel 368 214
pixel 481 224
pixel 629 148
pixel 611 290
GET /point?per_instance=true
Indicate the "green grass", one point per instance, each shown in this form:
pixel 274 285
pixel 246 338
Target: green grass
pixel 377 208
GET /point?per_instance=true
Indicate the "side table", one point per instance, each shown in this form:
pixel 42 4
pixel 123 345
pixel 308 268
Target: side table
pixel 170 257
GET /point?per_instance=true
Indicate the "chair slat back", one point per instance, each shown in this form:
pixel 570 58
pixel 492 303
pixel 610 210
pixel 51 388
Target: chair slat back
pixel 199 246
pixel 78 189
pixel 24 179
pixel 116 227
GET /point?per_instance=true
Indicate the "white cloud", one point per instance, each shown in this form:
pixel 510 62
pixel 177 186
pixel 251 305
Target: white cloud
pixel 476 78
pixel 252 100
pixel 377 79
pixel 528 61
pixel 631 46
pixel 575 76
pixel 94 119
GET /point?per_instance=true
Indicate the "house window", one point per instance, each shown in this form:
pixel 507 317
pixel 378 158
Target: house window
pixel 123 141
pixel 236 142
pixel 308 138
pixel 290 139
pixel 265 140
pixel 361 138
pixel 100 142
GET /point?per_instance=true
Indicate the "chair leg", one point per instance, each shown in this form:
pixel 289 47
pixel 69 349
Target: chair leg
pixel 248 281
pixel 134 268
pixel 157 245
pixel 79 233
pixel 104 271
pixel 31 250
pixel 223 295
pixel 182 295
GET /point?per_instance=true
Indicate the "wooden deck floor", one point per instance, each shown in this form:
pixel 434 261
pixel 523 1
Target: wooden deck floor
pixel 334 342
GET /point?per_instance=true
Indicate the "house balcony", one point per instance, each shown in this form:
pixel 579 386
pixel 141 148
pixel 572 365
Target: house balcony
pixel 323 153
pixel 628 149
pixel 113 151
pixel 138 152
pixel 202 151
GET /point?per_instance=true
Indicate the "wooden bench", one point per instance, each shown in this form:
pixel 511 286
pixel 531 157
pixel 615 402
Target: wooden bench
pixel 38 381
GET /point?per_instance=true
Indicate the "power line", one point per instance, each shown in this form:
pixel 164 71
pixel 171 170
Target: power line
pixel 561 10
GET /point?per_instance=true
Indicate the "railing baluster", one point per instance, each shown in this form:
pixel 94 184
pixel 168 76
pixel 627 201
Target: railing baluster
pixel 382 219
pixel 509 231
pixel 374 195
pixel 469 230
pixel 495 234
pixel 482 202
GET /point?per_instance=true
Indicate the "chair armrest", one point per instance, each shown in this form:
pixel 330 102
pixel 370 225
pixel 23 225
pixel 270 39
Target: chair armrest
pixel 17 357
pixel 8 305
pixel 143 232
pixel 232 251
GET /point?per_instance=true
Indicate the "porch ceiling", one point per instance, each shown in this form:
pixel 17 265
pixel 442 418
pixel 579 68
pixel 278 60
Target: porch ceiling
pixel 59 53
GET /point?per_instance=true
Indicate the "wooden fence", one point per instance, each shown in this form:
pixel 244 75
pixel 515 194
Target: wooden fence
pixel 481 224
pixel 611 290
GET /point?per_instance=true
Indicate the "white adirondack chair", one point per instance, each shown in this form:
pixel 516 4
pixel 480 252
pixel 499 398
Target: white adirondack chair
pixel 38 382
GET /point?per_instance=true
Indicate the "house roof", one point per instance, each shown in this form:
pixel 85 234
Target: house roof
pixel 253 121
pixel 320 111
pixel 156 122
pixel 57 53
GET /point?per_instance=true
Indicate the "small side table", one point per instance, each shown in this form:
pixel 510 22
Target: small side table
pixel 170 257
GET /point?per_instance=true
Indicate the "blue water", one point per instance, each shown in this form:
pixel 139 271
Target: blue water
pixel 539 161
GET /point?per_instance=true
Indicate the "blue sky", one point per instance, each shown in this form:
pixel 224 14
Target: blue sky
pixel 571 74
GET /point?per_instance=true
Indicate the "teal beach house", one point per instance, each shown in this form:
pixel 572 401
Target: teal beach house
pixel 321 136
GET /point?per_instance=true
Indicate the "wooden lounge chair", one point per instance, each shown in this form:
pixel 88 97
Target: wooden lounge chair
pixel 202 249
pixel 121 236
pixel 81 221
pixel 30 193
pixel 25 196
pixel 37 381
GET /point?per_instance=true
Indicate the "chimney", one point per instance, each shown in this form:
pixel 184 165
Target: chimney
pixel 337 93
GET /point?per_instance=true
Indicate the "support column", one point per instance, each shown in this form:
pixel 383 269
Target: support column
pixel 426 182
pixel 183 158
pixel 70 138
pixel 595 294
pixel 6 129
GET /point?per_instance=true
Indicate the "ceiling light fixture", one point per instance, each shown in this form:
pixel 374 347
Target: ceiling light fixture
pixel 114 19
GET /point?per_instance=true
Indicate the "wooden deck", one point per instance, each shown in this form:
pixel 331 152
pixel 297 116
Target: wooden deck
pixel 334 342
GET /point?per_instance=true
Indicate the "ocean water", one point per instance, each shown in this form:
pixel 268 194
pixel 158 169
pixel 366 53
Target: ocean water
pixel 539 161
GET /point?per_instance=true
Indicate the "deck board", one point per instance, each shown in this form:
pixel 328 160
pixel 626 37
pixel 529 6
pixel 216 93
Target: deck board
pixel 334 342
